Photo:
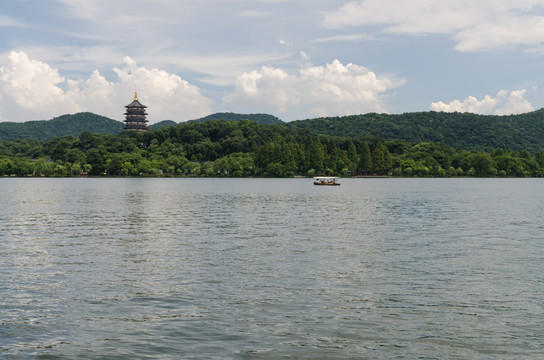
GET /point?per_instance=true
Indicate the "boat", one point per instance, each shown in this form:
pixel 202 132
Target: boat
pixel 326 181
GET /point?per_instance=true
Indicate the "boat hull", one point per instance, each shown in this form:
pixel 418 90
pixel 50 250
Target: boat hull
pixel 322 184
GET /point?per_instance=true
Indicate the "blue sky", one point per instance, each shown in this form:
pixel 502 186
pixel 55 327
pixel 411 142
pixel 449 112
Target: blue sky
pixel 295 59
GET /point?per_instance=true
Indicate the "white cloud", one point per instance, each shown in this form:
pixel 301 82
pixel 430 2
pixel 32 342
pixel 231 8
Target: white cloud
pixel 515 104
pixel 405 16
pixel 31 89
pixel 333 89
pixel 209 42
pixel 215 69
pixel 8 21
pixel 504 103
pixel 475 24
pixel 350 37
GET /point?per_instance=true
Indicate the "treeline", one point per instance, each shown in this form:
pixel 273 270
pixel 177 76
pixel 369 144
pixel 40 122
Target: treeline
pixel 263 119
pixel 459 130
pixel 245 148
pixel 75 124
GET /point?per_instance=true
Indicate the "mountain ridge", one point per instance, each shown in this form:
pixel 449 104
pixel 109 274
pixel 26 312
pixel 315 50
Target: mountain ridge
pixel 68 124
pixel 459 130
pixel 259 118
pixel 75 124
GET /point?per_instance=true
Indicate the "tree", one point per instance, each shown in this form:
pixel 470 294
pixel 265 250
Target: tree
pixel 96 158
pixel 365 162
pixel 482 164
pixel 74 155
pixel 381 159
pixel 352 156
pixel 6 166
pixel 75 169
pixel 113 164
pixel 317 156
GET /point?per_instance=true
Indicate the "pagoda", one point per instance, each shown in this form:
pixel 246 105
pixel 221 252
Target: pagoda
pixel 135 115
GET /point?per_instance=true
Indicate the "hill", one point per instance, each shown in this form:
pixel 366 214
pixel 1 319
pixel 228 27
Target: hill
pixel 72 124
pixel 261 119
pixel 162 124
pixel 459 130
pixel 75 124
pixel 245 148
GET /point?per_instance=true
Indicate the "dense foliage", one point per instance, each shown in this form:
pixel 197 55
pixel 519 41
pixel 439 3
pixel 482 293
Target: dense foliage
pixel 162 124
pixel 263 119
pixel 245 148
pixel 75 124
pixel 59 126
pixel 459 130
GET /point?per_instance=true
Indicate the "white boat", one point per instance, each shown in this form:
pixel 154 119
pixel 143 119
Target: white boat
pixel 326 181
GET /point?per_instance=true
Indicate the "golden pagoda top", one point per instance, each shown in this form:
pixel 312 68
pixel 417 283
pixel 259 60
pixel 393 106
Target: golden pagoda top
pixel 135 102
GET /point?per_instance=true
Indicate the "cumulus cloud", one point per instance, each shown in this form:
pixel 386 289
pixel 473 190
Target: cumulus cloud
pixel 504 103
pixel 475 24
pixel 31 89
pixel 333 89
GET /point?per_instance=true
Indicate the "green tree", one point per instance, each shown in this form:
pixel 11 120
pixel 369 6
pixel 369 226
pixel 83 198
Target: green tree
pixel 365 162
pixel 353 157
pixel 381 159
pixel 114 164
pixel 481 164
pixel 6 166
pixel 75 169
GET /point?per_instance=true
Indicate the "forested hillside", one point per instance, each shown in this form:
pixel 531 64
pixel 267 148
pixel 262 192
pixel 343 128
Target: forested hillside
pixel 75 124
pixel 162 124
pixel 262 119
pixel 245 148
pixel 459 130
pixel 72 124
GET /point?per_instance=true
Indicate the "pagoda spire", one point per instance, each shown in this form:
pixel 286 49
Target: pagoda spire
pixel 135 115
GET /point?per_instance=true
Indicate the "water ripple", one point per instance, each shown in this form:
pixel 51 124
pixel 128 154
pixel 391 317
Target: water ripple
pixel 267 269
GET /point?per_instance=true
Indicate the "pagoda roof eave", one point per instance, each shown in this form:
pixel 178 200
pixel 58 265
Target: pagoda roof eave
pixel 136 103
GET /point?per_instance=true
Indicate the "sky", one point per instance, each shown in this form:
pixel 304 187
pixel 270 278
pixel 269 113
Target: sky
pixel 295 59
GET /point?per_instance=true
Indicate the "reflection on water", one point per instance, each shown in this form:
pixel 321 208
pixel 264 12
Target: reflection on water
pixel 266 268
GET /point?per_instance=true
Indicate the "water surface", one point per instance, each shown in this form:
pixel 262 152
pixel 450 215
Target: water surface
pixel 271 268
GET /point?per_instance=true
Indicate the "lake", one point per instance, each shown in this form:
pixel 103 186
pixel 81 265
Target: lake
pixel 271 268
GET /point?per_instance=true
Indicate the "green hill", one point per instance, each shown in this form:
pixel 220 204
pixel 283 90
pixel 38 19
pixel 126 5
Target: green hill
pixel 73 124
pixel 262 119
pixel 459 130
pixel 162 124
pixel 245 148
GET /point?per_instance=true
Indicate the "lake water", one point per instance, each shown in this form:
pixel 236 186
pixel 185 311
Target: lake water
pixel 271 268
